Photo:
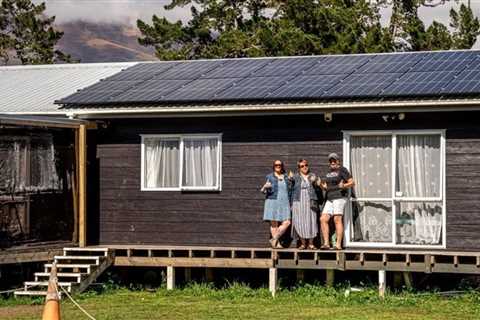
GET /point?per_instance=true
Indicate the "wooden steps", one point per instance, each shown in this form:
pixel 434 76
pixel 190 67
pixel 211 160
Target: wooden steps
pixel 77 269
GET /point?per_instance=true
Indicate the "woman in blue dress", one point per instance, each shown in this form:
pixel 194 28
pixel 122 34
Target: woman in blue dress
pixel 277 203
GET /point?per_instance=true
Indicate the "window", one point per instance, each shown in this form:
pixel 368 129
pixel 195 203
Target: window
pixel 28 164
pixel 181 162
pixel 399 198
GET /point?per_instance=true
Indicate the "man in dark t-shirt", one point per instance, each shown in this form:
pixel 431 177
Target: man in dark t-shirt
pixel 336 184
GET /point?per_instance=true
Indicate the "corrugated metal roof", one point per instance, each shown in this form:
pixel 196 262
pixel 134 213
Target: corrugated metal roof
pixel 33 89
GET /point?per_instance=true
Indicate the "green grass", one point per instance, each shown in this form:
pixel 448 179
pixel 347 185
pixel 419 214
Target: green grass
pixel 241 302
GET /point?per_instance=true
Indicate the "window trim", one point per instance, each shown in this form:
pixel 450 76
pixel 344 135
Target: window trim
pixel 348 216
pixel 181 138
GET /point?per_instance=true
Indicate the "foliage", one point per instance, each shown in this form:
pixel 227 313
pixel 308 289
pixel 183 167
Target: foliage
pixel 27 34
pixel 238 301
pixel 251 28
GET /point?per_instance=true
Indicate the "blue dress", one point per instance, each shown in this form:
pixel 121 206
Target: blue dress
pixel 278 209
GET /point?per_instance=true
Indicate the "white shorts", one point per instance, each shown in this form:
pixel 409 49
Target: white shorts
pixel 334 207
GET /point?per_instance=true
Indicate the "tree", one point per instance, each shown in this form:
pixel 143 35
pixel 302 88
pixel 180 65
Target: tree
pixel 27 35
pixel 249 28
pixel 466 27
pixel 410 34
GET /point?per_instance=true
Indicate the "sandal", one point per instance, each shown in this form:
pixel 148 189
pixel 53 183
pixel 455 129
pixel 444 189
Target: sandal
pixel 312 247
pixel 279 245
pixel 325 247
pixel 302 247
pixel 338 248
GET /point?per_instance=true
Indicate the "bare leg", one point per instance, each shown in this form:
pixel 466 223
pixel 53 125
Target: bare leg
pixel 324 220
pixel 274 229
pixel 282 228
pixel 338 219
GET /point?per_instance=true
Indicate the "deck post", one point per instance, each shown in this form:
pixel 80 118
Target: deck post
pixel 407 279
pixel 82 185
pixel 381 283
pixel 300 275
pixel 170 278
pixel 187 274
pixel 273 281
pixel 330 279
pixel 209 277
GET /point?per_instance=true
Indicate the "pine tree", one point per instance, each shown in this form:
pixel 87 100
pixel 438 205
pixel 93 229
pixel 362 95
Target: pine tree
pixel 27 34
pixel 249 28
pixel 466 27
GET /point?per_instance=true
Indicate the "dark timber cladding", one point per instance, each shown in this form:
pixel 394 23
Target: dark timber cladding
pixel 233 217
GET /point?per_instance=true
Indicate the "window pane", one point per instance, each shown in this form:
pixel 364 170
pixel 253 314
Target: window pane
pixel 200 162
pixel 371 162
pixel 43 172
pixel 372 221
pixel 418 166
pixel 13 164
pixel 162 163
pixel 419 223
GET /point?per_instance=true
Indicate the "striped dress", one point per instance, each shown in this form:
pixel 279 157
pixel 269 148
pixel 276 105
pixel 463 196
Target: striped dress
pixel 304 219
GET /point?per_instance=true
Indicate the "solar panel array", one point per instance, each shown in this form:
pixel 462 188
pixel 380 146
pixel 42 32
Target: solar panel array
pixel 418 74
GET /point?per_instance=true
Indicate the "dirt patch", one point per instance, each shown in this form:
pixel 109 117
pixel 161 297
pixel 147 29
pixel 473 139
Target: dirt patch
pixel 16 312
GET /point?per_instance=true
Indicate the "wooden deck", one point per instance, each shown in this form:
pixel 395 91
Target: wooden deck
pixel 32 252
pixel 358 259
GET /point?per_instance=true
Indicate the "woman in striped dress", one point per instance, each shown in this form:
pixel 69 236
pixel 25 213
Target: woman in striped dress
pixel 305 205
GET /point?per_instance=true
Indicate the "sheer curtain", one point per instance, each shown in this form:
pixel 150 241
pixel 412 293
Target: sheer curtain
pixel 418 176
pixel 43 165
pixel 371 158
pixel 162 163
pixel 200 162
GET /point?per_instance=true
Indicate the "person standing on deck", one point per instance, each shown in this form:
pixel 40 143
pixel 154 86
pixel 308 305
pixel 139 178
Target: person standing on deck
pixel 277 203
pixel 305 207
pixel 336 184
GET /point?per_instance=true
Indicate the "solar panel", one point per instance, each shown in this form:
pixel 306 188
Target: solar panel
pixel 337 64
pixel 307 86
pixel 387 63
pixel 420 83
pixel 150 93
pixel 362 85
pixel 317 77
pixel 445 61
pixel 189 70
pixel 251 88
pixel 237 68
pixel 285 66
pixel 467 81
pixel 200 89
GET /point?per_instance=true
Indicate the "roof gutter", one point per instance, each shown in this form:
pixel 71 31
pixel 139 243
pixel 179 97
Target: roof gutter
pixel 202 110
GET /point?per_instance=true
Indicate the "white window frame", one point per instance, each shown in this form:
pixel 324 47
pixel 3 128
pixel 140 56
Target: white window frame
pixel 394 199
pixel 181 138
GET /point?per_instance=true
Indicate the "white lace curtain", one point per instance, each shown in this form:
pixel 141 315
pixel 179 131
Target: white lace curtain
pixel 28 164
pixel 371 159
pixel 418 176
pixel 200 163
pixel 162 163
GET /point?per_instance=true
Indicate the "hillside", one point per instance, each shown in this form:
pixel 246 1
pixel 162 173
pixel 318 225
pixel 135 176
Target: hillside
pixel 93 42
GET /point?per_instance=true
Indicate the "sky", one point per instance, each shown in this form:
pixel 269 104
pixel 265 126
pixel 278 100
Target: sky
pixel 131 10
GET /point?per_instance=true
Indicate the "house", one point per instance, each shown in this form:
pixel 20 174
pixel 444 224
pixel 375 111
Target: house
pixel 186 145
pixel 181 149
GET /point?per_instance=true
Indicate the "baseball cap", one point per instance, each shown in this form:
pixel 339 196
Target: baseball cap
pixel 333 156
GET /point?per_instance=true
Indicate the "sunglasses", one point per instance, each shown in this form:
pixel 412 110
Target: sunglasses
pixel 278 165
pixel 304 166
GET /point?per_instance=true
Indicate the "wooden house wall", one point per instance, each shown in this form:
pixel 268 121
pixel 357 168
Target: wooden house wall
pixel 233 217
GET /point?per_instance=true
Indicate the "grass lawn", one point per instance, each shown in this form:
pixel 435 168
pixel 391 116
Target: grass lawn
pixel 240 302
